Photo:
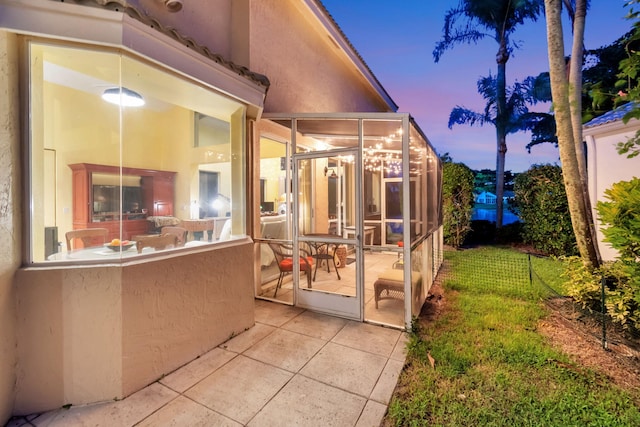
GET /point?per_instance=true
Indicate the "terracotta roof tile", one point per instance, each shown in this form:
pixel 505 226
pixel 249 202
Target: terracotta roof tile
pixel 124 7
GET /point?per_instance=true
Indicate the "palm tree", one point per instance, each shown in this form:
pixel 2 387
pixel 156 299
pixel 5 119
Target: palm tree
pixel 473 20
pixel 518 117
pixel 566 92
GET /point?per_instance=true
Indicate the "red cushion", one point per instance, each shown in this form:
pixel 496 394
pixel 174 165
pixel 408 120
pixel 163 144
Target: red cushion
pixel 287 263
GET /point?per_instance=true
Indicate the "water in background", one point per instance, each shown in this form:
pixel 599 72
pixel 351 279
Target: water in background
pixel 490 215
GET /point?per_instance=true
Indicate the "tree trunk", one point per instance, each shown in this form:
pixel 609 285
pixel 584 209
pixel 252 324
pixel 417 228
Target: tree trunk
pixel 501 127
pixel 580 220
pixel 575 100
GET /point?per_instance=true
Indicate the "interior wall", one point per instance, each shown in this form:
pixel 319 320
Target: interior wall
pixel 10 223
pixel 89 134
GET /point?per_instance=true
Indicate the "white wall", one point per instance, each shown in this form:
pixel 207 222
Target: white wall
pixel 606 167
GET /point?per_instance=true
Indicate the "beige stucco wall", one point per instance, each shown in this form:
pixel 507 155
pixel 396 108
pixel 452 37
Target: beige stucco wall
pixel 307 71
pixel 208 22
pixel 606 167
pixel 9 218
pixel 98 333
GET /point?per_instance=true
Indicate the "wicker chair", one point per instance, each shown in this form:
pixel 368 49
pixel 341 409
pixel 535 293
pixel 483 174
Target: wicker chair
pixel 283 253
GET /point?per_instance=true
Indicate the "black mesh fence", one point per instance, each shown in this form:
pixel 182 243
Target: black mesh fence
pixel 526 275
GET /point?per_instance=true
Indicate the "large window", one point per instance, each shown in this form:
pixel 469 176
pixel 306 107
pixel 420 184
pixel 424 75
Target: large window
pixel 117 143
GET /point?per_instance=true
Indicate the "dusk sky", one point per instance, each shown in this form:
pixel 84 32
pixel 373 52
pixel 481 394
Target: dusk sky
pixel 396 39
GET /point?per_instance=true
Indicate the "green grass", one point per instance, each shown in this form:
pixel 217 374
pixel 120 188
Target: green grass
pixel 492 368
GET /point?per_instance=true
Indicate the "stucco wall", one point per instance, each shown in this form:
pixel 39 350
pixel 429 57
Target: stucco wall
pixel 9 218
pixel 606 167
pixel 94 334
pixel 207 22
pixel 307 71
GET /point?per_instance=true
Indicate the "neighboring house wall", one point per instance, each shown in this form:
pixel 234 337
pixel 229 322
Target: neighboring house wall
pixel 486 198
pixel 606 167
pixel 10 219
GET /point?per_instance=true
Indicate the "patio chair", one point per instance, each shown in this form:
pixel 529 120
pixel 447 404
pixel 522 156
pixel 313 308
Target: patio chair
pixel 283 253
pixel 159 242
pixel 88 236
pixel 179 232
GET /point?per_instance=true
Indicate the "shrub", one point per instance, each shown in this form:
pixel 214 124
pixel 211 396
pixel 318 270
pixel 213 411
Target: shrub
pixel 585 287
pixel 541 203
pixel 620 217
pixel 457 202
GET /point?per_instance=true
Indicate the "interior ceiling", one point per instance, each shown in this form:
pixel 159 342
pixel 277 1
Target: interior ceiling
pixel 93 72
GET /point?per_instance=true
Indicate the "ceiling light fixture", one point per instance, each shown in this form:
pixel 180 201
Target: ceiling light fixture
pixel 123 97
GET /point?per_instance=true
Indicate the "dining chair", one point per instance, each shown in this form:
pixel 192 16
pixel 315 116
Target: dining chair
pixel 179 232
pixel 159 242
pixel 88 236
pixel 283 253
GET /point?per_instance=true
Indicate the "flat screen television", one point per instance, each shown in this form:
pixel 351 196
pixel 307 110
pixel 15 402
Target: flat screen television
pixel 106 199
pixel 266 207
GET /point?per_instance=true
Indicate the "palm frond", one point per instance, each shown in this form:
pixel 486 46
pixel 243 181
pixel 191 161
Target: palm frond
pixel 460 116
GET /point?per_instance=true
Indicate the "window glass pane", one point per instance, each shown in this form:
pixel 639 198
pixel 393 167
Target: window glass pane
pixel 160 152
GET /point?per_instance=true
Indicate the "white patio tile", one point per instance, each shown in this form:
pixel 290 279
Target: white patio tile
pixel 366 337
pixel 347 368
pixel 275 314
pixel 240 388
pixel 400 350
pixel 387 382
pixel 309 403
pixel 285 349
pixel 126 412
pixel 185 412
pixel 196 370
pixel 372 414
pixel 315 325
pixel 248 338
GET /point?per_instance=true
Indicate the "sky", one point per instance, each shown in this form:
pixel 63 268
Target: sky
pixel 396 39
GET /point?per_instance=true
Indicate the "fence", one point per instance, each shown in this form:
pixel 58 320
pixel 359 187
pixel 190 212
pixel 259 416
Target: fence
pixel 525 275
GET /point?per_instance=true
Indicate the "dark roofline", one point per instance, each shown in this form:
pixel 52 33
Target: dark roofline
pixel 132 12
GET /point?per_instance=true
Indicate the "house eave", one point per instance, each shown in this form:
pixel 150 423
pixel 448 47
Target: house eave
pixel 112 24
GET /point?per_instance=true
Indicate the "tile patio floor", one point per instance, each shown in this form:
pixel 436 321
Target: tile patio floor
pixel 293 368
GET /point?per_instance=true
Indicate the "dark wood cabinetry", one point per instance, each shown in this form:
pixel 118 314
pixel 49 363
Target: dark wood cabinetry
pixel 152 194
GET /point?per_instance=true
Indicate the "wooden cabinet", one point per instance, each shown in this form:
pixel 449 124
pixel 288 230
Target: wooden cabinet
pixel 146 192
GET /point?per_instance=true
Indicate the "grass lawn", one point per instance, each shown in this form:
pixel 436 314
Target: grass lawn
pixel 491 367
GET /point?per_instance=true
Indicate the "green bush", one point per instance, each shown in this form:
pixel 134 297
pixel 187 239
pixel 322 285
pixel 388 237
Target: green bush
pixel 457 202
pixel 620 217
pixel 541 204
pixel 585 287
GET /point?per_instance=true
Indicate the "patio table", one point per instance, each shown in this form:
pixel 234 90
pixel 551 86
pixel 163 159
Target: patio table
pixel 323 251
